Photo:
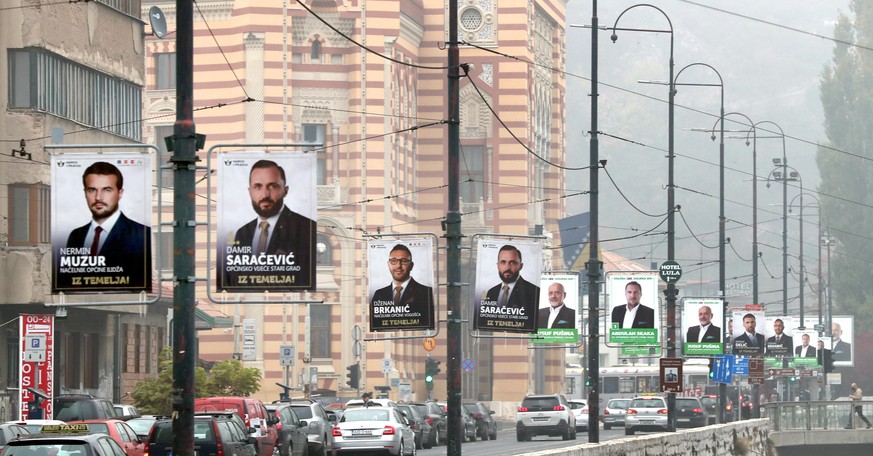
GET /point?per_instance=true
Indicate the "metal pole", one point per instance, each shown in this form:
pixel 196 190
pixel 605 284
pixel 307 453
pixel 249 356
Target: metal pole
pixel 184 215
pixel 671 238
pixel 453 245
pixel 593 371
pixel 800 275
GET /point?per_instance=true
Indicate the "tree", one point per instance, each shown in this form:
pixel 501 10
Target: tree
pixel 230 378
pixel 226 378
pixel 847 98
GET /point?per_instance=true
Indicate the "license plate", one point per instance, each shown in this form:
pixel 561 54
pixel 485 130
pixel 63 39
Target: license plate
pixel 541 418
pixel 362 432
pixel 647 421
pixel 684 420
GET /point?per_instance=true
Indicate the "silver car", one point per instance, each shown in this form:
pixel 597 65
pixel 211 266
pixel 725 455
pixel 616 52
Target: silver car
pixel 614 413
pixel 646 413
pixel 374 429
pixel 318 425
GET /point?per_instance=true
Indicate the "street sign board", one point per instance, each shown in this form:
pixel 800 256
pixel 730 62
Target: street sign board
pixel 286 355
pixel 36 374
pixel 784 372
pixel 741 365
pixel 387 364
pixel 670 271
pixel 671 375
pixel 722 368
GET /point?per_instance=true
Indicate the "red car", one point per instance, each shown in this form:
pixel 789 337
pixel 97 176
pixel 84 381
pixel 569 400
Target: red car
pixel 120 431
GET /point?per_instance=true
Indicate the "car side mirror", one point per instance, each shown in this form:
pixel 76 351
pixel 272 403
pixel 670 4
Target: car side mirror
pixel 252 440
pixel 304 423
pixel 331 418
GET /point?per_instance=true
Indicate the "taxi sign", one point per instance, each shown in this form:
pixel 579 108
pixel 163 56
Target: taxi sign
pixel 64 429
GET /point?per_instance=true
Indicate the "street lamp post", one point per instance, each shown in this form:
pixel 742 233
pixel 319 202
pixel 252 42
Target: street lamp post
pixel 802 268
pixel 670 293
pixel 722 388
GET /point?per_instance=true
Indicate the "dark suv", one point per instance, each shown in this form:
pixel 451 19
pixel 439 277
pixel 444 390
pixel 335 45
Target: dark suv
pixel 437 420
pixel 77 407
pixel 486 426
pixel 213 436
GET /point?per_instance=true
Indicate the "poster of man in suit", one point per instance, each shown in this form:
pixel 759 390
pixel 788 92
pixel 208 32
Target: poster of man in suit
pixel 748 335
pixel 266 227
pixel 701 324
pixel 101 222
pixel 634 309
pixel 779 334
pixel 557 317
pixel 401 280
pixel 842 332
pixel 507 291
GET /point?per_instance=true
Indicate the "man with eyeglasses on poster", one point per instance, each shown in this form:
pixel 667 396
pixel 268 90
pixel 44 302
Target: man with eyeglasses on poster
pixel 410 303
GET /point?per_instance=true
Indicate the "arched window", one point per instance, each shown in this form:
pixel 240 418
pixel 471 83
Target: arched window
pixel 324 251
pixel 315 53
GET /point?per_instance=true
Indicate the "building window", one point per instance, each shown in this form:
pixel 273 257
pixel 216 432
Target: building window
pixel 319 318
pixel 72 359
pixel 29 214
pixel 325 251
pixel 13 346
pixel 137 349
pixel 472 172
pixel 315 134
pixel 91 378
pixel 167 175
pixel 125 350
pixel 165 71
pixel 315 52
pixel 46 82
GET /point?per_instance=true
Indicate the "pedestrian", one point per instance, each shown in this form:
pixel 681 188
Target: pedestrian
pixel 856 397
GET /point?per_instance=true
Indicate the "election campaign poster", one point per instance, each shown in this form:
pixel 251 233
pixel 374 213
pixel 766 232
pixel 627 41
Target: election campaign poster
pixel 558 315
pixel 507 290
pixel 635 313
pixel 702 326
pixel 748 332
pixel 401 284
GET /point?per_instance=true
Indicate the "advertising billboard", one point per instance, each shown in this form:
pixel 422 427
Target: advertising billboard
pixel 748 332
pixel 507 292
pixel 779 334
pixel 701 326
pixel 401 282
pixel 558 315
pixel 634 309
pixel 101 222
pixel 266 227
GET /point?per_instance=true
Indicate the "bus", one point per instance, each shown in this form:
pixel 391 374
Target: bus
pixel 630 380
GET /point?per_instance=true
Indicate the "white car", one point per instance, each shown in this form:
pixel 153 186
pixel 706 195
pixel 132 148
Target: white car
pixel 545 414
pixel 580 409
pixel 614 413
pixel 382 429
pixel 646 413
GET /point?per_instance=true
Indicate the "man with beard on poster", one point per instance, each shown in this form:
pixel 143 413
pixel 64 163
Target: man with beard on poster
pixel 276 231
pixel 513 291
pixel 403 291
pixel 110 234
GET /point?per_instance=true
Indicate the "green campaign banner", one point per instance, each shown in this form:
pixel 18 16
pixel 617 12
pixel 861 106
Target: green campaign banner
pixel 633 336
pixel 703 348
pixel 637 350
pixel 557 336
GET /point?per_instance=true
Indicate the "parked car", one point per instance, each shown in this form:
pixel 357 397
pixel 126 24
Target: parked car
pixel 419 424
pixel 382 429
pixel 213 436
pixel 9 431
pixel 580 409
pixel 437 420
pixel 74 439
pixel 125 410
pixel 142 425
pixel 646 413
pixel 378 402
pixel 254 415
pixel 486 425
pixel 318 424
pixel 614 413
pixel 34 426
pixel 690 412
pixel 467 418
pixel 545 414
pixel 293 440
pixel 77 407
pixel 119 431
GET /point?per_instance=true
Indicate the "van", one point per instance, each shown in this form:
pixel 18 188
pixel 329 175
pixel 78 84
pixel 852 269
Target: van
pixel 253 413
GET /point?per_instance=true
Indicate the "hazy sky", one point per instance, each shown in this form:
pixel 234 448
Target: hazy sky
pixel 770 61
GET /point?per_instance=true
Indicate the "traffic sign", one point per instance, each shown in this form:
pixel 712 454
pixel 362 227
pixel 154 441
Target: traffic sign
pixel 286 355
pixel 429 343
pixel 741 365
pixel 783 372
pixel 670 271
pixel 387 364
pixel 468 365
pixel 722 368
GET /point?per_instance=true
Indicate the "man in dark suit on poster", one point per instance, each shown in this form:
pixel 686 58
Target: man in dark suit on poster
pixel 779 343
pixel 276 231
pixel 749 339
pixel 842 350
pixel 805 350
pixel 513 291
pixel 404 291
pixel 705 331
pixel 633 314
pixel 111 235
pixel 557 314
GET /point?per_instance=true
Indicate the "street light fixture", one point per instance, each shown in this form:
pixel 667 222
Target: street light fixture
pixel 670 293
pixel 802 278
pixel 777 175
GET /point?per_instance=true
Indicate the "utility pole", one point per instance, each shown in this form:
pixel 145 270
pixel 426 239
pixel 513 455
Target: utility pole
pixel 453 244
pixel 184 222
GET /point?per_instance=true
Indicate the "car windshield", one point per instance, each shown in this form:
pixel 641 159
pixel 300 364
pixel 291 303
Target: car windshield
pixel 618 404
pixel 99 428
pixel 141 425
pixel 364 414
pixel 535 404
pixel 648 403
pixel 303 411
pixel 49 449
pixel 708 401
pixel 471 408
